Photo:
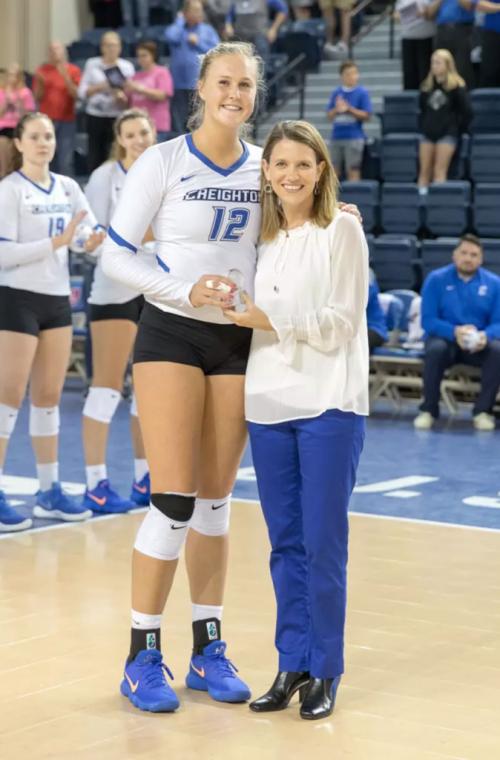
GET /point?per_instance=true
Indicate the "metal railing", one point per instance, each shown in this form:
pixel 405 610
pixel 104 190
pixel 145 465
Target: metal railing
pixel 285 91
pixel 388 11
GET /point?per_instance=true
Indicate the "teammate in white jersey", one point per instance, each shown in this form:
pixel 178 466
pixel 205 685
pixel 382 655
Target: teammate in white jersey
pixel 114 313
pixel 199 193
pixel 40 214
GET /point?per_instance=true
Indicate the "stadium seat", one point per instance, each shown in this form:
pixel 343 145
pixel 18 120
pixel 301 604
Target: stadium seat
pixel 485 158
pixel 447 208
pixel 393 261
pixel 370 239
pixel 94 35
pixel 486 110
pixel 399 157
pixel 314 26
pixel 459 166
pixel 491 255
pixel 294 43
pixel 486 209
pixel 436 253
pixel 365 194
pixel 400 207
pixel 80 50
pixel 401 112
pixel 157 34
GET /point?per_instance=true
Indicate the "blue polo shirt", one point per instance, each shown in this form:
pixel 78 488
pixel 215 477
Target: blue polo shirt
pixel 492 20
pixel 185 57
pixel 374 315
pixel 450 12
pixel 448 301
pixel 345 125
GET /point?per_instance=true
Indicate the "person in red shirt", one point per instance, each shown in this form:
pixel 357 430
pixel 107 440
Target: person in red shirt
pixel 56 88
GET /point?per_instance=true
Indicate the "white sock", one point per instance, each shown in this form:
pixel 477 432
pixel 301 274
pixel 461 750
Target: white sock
pixel 144 622
pixel 205 611
pixel 140 469
pixel 47 474
pixel 95 473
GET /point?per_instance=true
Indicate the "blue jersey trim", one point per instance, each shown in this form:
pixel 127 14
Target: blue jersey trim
pixel 219 169
pixel 121 167
pixel 162 264
pixel 121 241
pixel 48 190
pixel 6 240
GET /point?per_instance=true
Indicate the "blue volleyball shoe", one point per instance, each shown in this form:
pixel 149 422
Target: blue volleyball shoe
pixel 213 672
pixel 145 683
pixel 54 504
pixel 103 500
pixel 10 519
pixel 141 491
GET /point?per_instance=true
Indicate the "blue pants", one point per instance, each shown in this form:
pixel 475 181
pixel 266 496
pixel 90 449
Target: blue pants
pixel 306 470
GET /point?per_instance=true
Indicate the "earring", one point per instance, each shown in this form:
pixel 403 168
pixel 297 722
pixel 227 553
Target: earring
pixel 268 188
pixel 316 189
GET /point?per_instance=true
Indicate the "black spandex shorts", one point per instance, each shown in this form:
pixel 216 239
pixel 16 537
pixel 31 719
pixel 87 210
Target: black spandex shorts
pixel 26 312
pixel 130 310
pixel 215 349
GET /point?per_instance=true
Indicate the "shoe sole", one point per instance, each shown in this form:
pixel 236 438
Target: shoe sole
pixel 57 514
pixel 199 684
pixel 24 525
pixel 152 707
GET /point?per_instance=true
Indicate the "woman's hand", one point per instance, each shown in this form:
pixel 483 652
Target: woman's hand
pixel 252 317
pixel 94 240
pixel 351 208
pixel 67 236
pixel 212 290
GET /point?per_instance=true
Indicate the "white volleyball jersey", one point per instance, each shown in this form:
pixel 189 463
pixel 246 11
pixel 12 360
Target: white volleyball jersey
pixel 205 218
pixel 30 217
pixel 102 192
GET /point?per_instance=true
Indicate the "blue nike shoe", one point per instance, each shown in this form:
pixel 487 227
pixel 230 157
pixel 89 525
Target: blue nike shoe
pixel 213 672
pixel 54 504
pixel 141 491
pixel 145 683
pixel 10 519
pixel 103 500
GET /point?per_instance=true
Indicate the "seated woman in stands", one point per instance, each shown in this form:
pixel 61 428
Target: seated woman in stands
pixel 445 108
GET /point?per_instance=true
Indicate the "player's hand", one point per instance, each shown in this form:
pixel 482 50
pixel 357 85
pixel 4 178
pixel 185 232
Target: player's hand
pixel 94 240
pixel 212 290
pixel 67 236
pixel 351 208
pixel 252 317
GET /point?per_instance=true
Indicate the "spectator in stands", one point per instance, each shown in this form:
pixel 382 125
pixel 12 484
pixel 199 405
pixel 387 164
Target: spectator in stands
pixel 302 9
pixel 216 13
pixel 107 13
pixel 417 37
pixel 151 89
pixel 16 99
pixel 446 112
pixel 249 22
pixel 187 37
pixel 329 10
pixel 375 318
pixel 490 39
pixel 55 86
pixel 102 87
pixel 135 11
pixel 461 319
pixel 349 106
pixel 455 24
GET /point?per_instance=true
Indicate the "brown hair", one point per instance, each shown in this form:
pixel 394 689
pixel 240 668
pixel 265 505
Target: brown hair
pixel 16 160
pixel 246 50
pixel 150 46
pixel 325 197
pixel 117 152
pixel 453 78
pixel 470 238
pixel 348 64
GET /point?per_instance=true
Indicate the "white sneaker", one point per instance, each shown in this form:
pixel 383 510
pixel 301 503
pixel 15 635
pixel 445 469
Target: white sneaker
pixel 484 422
pixel 423 421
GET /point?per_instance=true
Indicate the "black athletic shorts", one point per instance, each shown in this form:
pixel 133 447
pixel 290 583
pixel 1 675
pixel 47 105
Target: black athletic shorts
pixel 130 310
pixel 215 349
pixel 26 312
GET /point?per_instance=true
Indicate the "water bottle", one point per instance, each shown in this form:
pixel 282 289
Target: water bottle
pixel 79 239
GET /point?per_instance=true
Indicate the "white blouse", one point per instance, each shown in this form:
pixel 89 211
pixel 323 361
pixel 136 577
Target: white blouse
pixel 313 285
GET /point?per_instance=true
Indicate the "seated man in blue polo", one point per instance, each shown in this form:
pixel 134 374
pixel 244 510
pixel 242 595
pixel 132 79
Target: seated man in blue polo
pixel 461 319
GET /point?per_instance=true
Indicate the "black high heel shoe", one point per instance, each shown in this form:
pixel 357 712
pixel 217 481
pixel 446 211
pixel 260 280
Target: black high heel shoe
pixel 319 700
pixel 279 695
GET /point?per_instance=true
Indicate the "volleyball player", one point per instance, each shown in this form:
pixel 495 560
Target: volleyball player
pixel 114 314
pixel 40 214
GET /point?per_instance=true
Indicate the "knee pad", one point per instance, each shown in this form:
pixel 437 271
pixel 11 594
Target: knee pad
pixel 211 516
pixel 163 531
pixel 8 417
pixel 101 404
pixel 133 406
pixel 44 420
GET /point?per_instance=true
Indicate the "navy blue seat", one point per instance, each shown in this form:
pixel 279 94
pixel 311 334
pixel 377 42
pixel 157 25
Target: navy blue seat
pixel 399 157
pixel 81 50
pixel 94 35
pixel 314 26
pixel 447 207
pixel 365 194
pixel 157 34
pixel 459 163
pixel 401 112
pixel 436 253
pixel 393 260
pixel 486 209
pixel 491 255
pixel 485 158
pixel 400 207
pixel 486 110
pixel 294 43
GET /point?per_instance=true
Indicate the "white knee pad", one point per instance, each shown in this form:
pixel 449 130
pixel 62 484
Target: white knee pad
pixel 164 529
pixel 211 516
pixel 101 404
pixel 44 420
pixel 8 417
pixel 133 406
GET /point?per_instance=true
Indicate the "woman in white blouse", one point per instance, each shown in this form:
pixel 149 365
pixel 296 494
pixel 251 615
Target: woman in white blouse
pixel 306 399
